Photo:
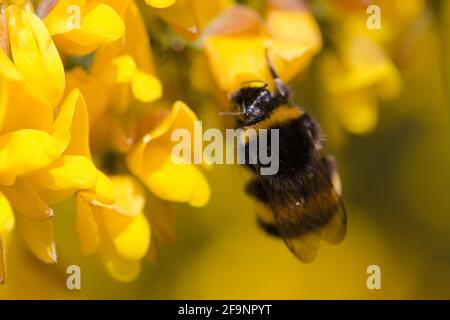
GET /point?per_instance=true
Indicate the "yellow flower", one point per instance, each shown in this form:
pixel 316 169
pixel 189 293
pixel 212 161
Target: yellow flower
pixel 59 166
pixel 396 18
pixel 234 60
pixel 119 232
pixel 122 73
pixel 360 72
pixel 151 161
pixel 128 66
pixel 240 55
pixel 82 26
pixel 355 78
pixel 190 18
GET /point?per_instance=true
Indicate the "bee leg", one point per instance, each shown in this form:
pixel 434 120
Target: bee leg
pixel 269 228
pixel 256 190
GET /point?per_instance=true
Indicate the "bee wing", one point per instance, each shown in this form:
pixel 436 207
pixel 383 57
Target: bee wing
pixel 304 247
pixel 315 212
pixel 335 230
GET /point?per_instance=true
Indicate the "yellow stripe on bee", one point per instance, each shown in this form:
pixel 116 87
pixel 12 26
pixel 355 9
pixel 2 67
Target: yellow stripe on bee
pixel 279 115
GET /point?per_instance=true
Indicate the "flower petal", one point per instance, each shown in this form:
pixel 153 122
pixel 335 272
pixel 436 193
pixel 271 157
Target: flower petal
pixel 71 128
pixel 189 18
pixel 119 5
pixel 86 225
pixel 63 16
pixel 16 148
pixel 68 173
pixel 93 91
pixel 146 88
pixel 7 220
pixel 129 195
pixel 39 237
pixel 120 70
pixel 151 161
pixel 99 24
pixel 2 262
pixel 280 24
pixel 362 64
pixel 234 60
pixel 134 240
pixel 136 39
pixel 104 188
pixel 35 54
pixel 120 269
pixel 357 111
pixel 129 235
pixel 19 108
pixel 25 200
pixel 171 181
pixel 8 69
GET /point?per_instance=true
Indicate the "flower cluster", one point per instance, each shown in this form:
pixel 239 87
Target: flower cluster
pixel 52 110
pixel 357 63
pixel 358 69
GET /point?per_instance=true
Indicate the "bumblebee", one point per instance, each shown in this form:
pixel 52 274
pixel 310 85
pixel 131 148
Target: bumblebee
pixel 302 202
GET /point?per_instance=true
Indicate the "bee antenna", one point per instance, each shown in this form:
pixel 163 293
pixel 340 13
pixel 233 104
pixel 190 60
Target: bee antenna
pixel 282 90
pixel 272 70
pixel 233 113
pixel 229 113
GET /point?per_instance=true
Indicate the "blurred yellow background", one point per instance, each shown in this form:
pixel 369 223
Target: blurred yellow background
pixel 396 183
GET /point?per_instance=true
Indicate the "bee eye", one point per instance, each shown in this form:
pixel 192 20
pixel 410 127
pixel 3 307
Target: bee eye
pixel 262 99
pixel 251 101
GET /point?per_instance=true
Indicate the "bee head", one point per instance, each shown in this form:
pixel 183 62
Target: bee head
pixel 252 103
